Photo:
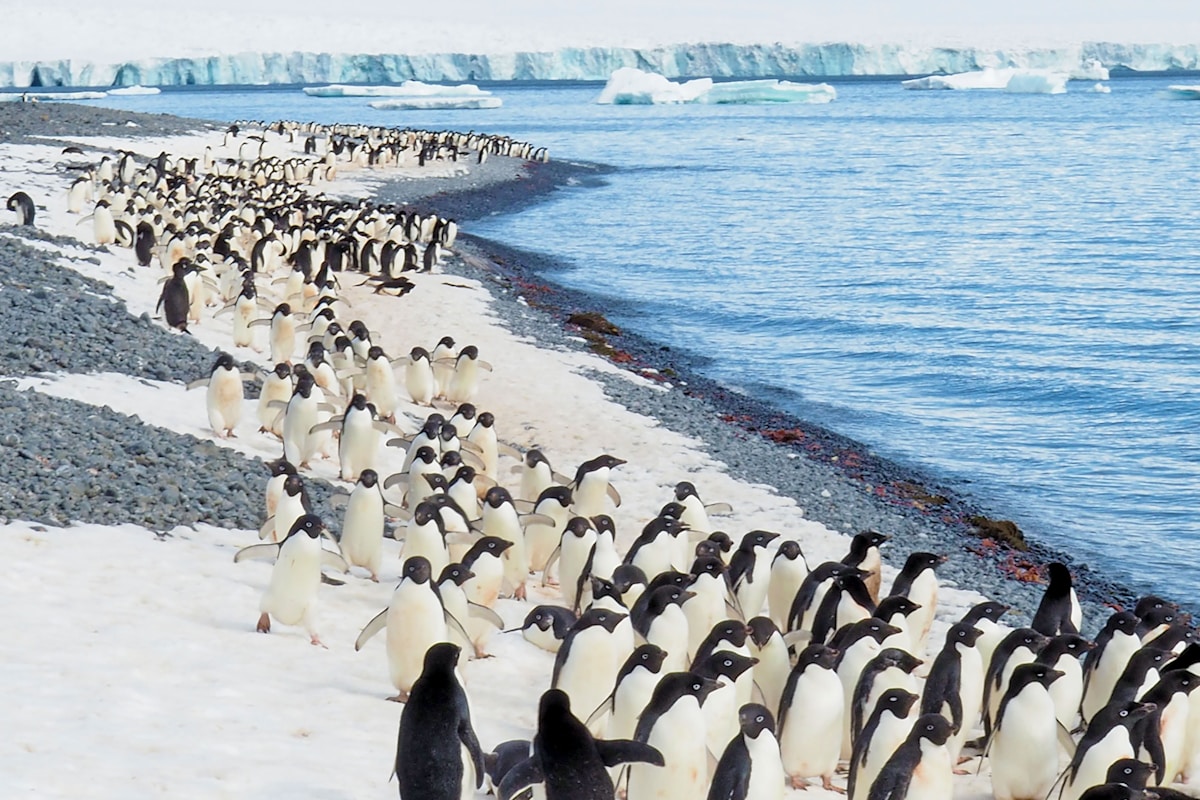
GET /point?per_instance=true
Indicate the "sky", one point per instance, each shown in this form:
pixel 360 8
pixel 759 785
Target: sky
pixel 118 30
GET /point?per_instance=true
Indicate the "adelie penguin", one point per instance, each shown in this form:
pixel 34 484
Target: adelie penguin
pixel 1026 734
pixel 1059 610
pixel 885 730
pixel 438 756
pixel 954 687
pixel 921 768
pixel 864 554
pixel 750 767
pixel 670 724
pixel 22 205
pixel 173 301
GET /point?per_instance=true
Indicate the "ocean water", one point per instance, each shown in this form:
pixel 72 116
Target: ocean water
pixel 1003 290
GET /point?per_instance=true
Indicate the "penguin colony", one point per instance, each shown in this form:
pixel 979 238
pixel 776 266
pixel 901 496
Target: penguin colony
pixel 694 664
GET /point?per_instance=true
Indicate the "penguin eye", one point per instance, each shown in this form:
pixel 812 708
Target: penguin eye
pixel 696 686
pixel 759 718
pixel 929 727
pixel 1124 713
pixel 728 663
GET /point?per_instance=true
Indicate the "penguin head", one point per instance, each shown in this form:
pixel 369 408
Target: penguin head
pixel 1033 673
pixel 470 352
pixel 724 664
pixel 358 402
pixel 605 588
pixel 466 411
pixel 224 361
pixel 309 524
pixel 898 658
pixel 729 630
pixel 375 352
pixel 817 655
pixel 1154 618
pixel 316 353
pixel 368 478
pixel 705 548
pixel 425 513
pixel 1125 622
pixel 650 656
pixel 358 329
pixel 535 457
pixel 417 569
pixel 603 523
pixel 755 539
pixel 1027 638
pixel 486 419
pixel 304 382
pixel 579 526
pixel 627 576
pixel 862 542
pixel 539 617
pixel 456 573
pixel 446 341
pixel 497 496
pixel 790 549
pixel 425 454
pixel 989 610
pixel 1129 771
pixel 761 630
pixel 598 616
pixel 418 354
pixel 754 718
pixel 293 484
pixel 898 701
pixel 671 510
pixel 874 629
pixel 889 607
pixel 441 658
pixel 1065 644
pixel 707 565
pixel 447 432
pixel 283 310
pixel 492 544
pixel 721 540
pixel 684 490
pixel 665 596
pixel 696 686
pixel 933 727
pixel 919 562
pixel 436 481
pixel 555 704
pixel 1150 602
pixel 464 474
pixel 962 633
pixel 280 466
pixel 1060 578
pixel 1125 715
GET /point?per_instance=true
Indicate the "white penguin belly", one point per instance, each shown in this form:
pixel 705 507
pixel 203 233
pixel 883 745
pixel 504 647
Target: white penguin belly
pixel 415 622
pixel 1022 765
pixel 678 736
pixel 362 530
pixel 291 595
pixel 812 733
pixel 224 400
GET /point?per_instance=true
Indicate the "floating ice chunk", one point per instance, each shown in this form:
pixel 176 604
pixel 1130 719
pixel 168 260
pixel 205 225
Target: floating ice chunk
pixel 134 90
pixel 437 103
pixel 1021 81
pixel 630 86
pixel 406 89
pixel 1090 70
pixel 1101 88
pixel 1182 92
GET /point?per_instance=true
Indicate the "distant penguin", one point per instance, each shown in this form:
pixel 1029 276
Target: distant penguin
pixel 1065 653
pixel 280 469
pixel 299 418
pixel 104 226
pixel 857 644
pixel 985 617
pixel 224 396
pixel 918 583
pixel 415 621
pixel 892 669
pixel 283 334
pixel 362 527
pixel 1059 611
pixel 750 572
pixel 575 550
pixel 1021 646
pixel 500 519
pixel 442 360
pixel 1024 736
pixel 536 475
pixel 592 488
pixel 465 381
pixel 541 539
pixel 750 766
pixel 811 713
pixel 707 606
pixel 144 243
pixel 173 300
pixel 774 664
pixel 438 756
pixel 727 668
pixel 1164 733
pixel 358 445
pixel 864 554
pixel 884 730
pixel 418 377
pixel 22 205
pixel 921 768
pixel 1115 645
pixel 291 595
pixel 788 571
pixel 669 724
pixel 276 387
pixel 661 621
pixel 954 687
pixel 573 762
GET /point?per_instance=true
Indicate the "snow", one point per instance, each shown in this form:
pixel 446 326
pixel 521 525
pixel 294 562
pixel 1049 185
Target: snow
pixel 136 89
pixel 1016 81
pixel 25 97
pixel 630 86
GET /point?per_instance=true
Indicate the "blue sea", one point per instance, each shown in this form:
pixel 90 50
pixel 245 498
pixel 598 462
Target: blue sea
pixel 1001 290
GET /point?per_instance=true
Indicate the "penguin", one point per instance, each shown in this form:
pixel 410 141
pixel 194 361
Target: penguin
pixel 918 583
pixel 812 590
pixel 358 445
pixel 504 758
pixel 482 437
pixel 423 466
pixel 895 611
pixel 726 667
pixel 631 583
pixel 1141 673
pixel 223 399
pixel 591 485
pixel 104 226
pixel 454 600
pixel 362 527
pixel 662 622
pixel 857 644
pixel 587 662
pixel 985 617
pixel 811 712
pixel 695 512
pixel 1065 654
pixel 245 312
pixel 921 767
pixel 954 687
pixel 547 626
pixel 442 359
pixel 574 552
pixel 750 572
pixel 1164 732
pixel 632 690
pixel 464 383
pixel 750 767
pixel 1025 735
pixel 1021 646
pixel 541 539
pixel 1108 738
pixel 846 602
pixel 143 243
pixel 669 724
pixel 485 559
pixel 573 762
pixel 654 551
pixel 1102 667
pixel 1059 611
pixel 438 756
pixel 276 388
pixel 293 504
pixel 864 554
pixel 788 571
pixel 419 379
pixel 279 470
pixel 22 205
pixel 774 664
pixel 536 475
pixel 884 731
pixel 173 300
pixel 707 605
pixel 425 536
pixel 283 334
pixel 415 621
pixel 500 519
pixel 291 595
pixel 299 418
pixel 891 669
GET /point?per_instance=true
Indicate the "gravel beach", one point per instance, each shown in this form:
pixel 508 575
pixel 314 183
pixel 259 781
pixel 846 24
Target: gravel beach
pixel 70 461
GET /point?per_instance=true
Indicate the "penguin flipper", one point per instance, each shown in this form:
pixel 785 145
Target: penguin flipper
pixel 604 708
pixel 477 611
pixel 466 734
pixel 550 562
pixel 334 560
pixel 522 506
pixel 377 623
pixel 396 511
pixel 328 425
pixel 720 509
pixel 266 528
pixel 890 784
pixel 394 479
pixel 731 775
pixel 508 450
pixel 196 384
pixel 563 479
pixel 470 459
pixel 1066 742
pixel 614 495
pixel 536 519
pixel 467 444
pixel 263 552
pixel 626 751
pixel 399 441
pixel 453 624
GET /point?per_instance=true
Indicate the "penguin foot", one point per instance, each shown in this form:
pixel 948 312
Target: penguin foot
pixel 962 772
pixel 519 592
pixel 402 697
pixel 264 623
pixel 827 785
pixel 481 653
pixel 798 783
pixel 316 640
pixel 964 759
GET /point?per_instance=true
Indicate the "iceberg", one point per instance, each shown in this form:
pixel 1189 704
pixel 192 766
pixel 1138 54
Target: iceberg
pixel 407 89
pixel 136 89
pixel 1017 81
pixel 1101 88
pixel 437 103
pixel 14 97
pixel 1090 61
pixel 631 86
